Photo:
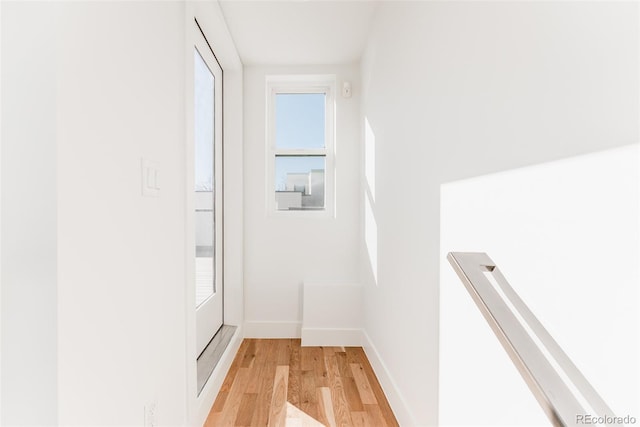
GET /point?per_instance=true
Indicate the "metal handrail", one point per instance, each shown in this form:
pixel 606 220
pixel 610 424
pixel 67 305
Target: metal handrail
pixel 560 388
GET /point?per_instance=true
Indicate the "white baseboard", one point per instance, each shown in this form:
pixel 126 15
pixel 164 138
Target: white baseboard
pixel 272 329
pixel 212 387
pixel 335 337
pixel 391 391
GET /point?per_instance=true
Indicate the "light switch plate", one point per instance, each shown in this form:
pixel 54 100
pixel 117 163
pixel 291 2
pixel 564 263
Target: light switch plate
pixel 150 178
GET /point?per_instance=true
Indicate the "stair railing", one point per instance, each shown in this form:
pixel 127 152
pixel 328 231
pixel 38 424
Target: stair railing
pixel 564 394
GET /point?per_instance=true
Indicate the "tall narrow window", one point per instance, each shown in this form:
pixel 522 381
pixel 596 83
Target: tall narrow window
pixel 204 84
pixel 300 145
pixel 206 143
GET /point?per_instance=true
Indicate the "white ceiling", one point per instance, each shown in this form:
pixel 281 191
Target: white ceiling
pixel 298 32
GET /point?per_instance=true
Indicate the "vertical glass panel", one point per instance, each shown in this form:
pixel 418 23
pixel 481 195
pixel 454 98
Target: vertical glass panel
pixel 300 182
pixel 300 120
pixel 204 179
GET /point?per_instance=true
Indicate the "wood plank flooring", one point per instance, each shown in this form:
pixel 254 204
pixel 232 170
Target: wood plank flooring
pixel 277 382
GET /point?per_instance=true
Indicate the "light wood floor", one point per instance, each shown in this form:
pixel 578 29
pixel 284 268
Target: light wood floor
pixel 280 383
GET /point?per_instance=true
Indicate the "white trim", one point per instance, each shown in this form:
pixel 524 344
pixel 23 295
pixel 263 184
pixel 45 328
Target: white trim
pixel 391 391
pixel 332 337
pixel 205 401
pixel 301 84
pixel 302 80
pixel 272 329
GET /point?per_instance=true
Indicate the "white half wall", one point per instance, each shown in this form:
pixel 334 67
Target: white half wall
pixel 453 90
pixel 281 252
pixel 332 315
pixel 566 236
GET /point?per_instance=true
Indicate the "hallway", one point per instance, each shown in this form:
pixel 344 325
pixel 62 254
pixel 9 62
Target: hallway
pixel 298 171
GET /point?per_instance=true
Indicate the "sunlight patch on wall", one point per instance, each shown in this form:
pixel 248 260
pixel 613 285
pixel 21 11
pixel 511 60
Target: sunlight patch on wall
pixel 370 223
pixel 370 158
pixel 371 237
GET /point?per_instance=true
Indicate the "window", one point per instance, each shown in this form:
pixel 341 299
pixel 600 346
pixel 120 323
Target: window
pixel 300 136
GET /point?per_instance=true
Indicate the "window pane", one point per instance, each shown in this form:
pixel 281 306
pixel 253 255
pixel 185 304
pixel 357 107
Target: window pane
pixel 300 120
pixel 204 197
pixel 300 182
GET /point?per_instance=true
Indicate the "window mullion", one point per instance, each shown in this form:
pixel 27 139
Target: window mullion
pixel 300 152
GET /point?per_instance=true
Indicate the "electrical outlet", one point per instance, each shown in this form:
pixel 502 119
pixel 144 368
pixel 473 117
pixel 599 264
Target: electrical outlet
pixel 150 414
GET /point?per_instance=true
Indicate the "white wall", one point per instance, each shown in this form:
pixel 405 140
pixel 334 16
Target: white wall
pixel 283 251
pixel 122 299
pixel 29 231
pixel 566 236
pixel 105 320
pixel 457 90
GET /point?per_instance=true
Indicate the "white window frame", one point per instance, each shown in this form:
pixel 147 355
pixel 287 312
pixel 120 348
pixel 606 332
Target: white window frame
pixel 301 84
